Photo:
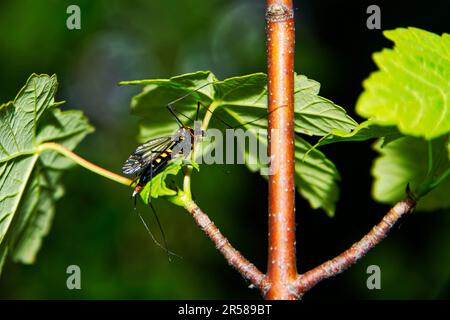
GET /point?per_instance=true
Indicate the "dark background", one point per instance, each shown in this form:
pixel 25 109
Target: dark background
pixel 95 226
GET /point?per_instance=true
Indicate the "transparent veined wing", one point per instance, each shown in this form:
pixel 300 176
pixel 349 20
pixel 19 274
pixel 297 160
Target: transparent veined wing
pixel 145 154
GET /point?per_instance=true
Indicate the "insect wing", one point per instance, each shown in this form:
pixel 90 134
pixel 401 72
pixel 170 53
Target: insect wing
pixel 145 154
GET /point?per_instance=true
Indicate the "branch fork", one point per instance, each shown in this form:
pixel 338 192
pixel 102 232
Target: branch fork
pixel 298 286
pixel 281 280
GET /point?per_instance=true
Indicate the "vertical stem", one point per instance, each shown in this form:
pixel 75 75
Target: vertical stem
pixel 280 48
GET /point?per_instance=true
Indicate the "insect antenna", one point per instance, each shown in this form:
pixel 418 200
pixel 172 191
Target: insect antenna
pixel 189 93
pixel 169 106
pixel 242 124
pixel 172 111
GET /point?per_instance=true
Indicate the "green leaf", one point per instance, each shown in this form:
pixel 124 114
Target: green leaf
pixel 315 115
pixel 364 131
pixel 158 185
pixel 405 161
pixel 30 181
pixel 412 88
pixel 242 102
pixel 249 90
pixel 316 177
pixel 151 103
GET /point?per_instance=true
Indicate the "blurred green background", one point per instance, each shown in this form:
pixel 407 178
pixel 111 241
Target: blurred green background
pixel 95 226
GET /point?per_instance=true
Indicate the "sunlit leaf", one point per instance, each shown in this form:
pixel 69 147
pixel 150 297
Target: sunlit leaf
pixel 412 88
pixel 365 131
pixel 316 177
pixel 405 161
pixel 315 115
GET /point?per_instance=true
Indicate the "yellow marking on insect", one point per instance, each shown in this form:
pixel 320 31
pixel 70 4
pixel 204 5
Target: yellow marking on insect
pixel 163 154
pixel 169 150
pixel 158 160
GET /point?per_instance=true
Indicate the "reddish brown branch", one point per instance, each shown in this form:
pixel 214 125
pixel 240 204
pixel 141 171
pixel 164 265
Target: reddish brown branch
pixel 282 280
pixel 249 271
pixel 302 283
pixel 281 271
pixel 358 250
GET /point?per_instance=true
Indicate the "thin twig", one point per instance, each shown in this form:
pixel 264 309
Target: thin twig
pixel 249 271
pixel 281 270
pixel 358 250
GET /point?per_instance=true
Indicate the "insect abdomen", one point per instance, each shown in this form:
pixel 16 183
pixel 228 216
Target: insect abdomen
pixel 152 170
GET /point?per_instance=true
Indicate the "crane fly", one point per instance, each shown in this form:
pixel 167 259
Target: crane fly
pixel 150 158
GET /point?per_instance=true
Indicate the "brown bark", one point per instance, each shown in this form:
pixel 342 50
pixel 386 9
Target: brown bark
pixel 282 269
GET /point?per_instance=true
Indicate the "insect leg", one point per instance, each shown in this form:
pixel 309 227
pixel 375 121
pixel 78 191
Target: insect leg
pixel 198 110
pixel 153 237
pixel 169 253
pixel 207 109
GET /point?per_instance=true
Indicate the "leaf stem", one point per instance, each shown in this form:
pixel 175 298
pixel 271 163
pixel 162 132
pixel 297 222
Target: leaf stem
pixel 439 180
pixel 188 170
pixel 84 163
pixel 430 182
pixel 430 157
pixel 187 181
pixel 209 113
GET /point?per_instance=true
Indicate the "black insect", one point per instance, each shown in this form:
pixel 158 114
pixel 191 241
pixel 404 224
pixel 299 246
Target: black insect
pixel 150 158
